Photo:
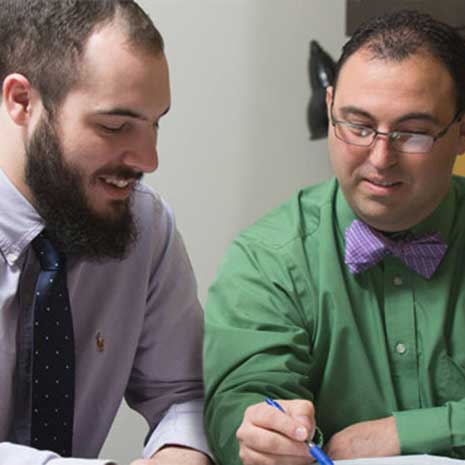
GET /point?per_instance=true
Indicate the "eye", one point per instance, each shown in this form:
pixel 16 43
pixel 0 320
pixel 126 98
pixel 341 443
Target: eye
pixel 410 136
pixel 113 129
pixel 361 131
pixel 415 132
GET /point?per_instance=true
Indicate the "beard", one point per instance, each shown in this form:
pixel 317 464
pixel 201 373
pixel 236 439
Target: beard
pixel 60 199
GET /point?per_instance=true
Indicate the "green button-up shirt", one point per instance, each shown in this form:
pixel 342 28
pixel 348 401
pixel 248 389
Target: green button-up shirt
pixel 285 318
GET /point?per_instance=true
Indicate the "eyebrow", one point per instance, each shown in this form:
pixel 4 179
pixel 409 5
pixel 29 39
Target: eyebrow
pixel 418 116
pixel 351 110
pixel 121 111
pixel 354 111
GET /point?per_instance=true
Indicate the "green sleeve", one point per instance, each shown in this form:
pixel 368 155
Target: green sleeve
pixel 256 343
pixel 437 430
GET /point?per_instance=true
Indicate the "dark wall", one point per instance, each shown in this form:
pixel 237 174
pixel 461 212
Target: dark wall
pixel 448 11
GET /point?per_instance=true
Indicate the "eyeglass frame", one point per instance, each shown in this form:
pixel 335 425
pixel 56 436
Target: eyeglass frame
pixel 391 134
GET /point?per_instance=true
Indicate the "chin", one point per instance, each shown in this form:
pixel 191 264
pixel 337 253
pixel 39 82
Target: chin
pixel 378 219
pixel 383 223
pixel 110 211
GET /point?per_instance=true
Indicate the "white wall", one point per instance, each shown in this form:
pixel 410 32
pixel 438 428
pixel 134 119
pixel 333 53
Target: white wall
pixel 235 143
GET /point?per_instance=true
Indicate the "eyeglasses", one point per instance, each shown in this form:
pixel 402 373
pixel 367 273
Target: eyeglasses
pixel 401 141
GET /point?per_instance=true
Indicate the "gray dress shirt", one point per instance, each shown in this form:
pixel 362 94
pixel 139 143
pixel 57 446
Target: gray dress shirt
pixel 138 333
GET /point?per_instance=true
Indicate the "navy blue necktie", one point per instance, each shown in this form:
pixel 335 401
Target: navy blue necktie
pixel 53 354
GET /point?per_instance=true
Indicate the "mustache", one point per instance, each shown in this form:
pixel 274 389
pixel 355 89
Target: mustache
pixel 122 172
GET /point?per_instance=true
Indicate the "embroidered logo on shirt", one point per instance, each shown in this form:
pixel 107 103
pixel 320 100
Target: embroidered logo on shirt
pixel 100 342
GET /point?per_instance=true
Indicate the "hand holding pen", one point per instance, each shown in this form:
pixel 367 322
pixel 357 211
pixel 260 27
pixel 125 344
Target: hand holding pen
pixel 313 449
pixel 268 436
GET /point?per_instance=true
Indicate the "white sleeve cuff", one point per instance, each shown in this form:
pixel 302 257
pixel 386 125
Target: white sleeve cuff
pixel 182 425
pixel 14 454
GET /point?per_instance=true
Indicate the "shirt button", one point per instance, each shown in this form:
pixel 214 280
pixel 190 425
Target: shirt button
pixel 11 257
pixel 400 348
pixel 397 281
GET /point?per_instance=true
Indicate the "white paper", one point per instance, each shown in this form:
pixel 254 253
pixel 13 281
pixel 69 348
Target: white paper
pixel 403 460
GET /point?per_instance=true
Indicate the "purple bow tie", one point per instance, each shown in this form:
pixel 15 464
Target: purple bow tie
pixel 365 247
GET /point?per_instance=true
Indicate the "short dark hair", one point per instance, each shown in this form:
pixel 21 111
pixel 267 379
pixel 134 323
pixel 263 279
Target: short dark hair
pixel 399 35
pixel 44 39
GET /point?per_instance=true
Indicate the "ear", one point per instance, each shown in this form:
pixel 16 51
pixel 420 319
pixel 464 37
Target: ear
pixel 461 146
pixel 17 95
pixel 329 100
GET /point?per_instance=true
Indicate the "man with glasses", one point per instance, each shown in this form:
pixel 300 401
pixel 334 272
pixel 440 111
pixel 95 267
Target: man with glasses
pixel 347 303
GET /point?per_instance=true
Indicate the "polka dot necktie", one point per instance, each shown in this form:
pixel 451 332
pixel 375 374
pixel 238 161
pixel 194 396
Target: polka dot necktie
pixel 52 406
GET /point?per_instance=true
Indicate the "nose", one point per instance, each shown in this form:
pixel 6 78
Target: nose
pixel 382 155
pixel 142 154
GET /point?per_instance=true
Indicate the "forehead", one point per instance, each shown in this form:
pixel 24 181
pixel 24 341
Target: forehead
pixel 115 73
pixel 420 83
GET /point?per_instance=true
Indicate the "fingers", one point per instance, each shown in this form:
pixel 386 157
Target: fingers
pixel 297 423
pixel 269 418
pixel 303 412
pixel 268 436
pixel 269 442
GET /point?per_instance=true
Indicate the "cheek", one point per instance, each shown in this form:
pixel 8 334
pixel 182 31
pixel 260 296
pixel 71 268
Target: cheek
pixel 87 158
pixel 436 169
pixel 343 160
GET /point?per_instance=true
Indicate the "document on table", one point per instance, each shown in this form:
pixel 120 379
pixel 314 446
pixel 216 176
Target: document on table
pixel 403 460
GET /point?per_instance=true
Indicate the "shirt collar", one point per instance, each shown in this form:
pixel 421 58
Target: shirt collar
pixel 19 225
pixel 439 221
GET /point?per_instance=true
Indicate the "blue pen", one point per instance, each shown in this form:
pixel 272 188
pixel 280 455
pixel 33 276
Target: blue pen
pixel 313 449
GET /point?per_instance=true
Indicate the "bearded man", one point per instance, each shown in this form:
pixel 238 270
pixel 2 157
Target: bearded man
pixel 97 294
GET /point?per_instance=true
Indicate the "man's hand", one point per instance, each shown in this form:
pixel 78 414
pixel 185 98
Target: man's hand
pixel 376 438
pixel 173 455
pixel 268 436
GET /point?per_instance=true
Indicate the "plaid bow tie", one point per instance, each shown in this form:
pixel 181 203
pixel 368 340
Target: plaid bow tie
pixel 365 247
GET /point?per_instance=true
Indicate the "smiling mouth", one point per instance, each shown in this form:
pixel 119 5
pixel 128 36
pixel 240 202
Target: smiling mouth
pixel 382 183
pixel 115 181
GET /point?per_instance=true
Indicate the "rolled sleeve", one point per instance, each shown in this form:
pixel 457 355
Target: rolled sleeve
pixel 167 368
pixel 182 425
pixel 424 430
pixel 433 430
pixel 256 341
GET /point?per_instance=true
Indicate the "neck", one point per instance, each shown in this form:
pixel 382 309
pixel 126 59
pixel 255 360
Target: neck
pixel 12 156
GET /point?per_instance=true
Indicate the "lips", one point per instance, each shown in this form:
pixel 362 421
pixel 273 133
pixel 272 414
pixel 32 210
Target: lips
pixel 118 182
pixel 380 187
pixel 116 187
pixel 382 182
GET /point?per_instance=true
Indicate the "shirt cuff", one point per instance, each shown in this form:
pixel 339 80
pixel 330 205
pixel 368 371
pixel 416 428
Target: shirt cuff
pixel 15 454
pixel 71 461
pixel 182 425
pixel 423 430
